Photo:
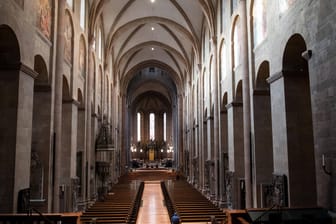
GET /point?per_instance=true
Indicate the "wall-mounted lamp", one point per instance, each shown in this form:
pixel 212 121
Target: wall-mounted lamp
pixel 307 54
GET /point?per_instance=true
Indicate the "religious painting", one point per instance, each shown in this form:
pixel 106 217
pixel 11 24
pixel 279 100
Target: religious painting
pixel 68 34
pixel 44 17
pixel 82 57
pixel 259 21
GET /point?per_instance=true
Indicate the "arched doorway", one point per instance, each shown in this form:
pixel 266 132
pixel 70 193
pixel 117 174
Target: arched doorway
pixel 300 142
pixel 16 109
pixel 262 122
pixel 238 147
pixel 41 137
pixel 80 158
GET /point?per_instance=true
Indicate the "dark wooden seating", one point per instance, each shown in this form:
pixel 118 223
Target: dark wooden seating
pixel 121 206
pixel 190 204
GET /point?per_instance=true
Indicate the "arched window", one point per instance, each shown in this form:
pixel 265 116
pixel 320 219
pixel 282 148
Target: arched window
pixel 223 62
pixel 236 43
pixel 234 6
pixel 152 126
pixel 259 21
pixel 206 85
pixel 222 11
pixel 70 4
pixel 165 126
pixel 82 57
pixel 100 43
pixel 94 40
pixel 139 126
pixel 82 14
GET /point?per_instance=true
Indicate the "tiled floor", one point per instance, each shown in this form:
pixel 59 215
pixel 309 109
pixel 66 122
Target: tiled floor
pixel 153 210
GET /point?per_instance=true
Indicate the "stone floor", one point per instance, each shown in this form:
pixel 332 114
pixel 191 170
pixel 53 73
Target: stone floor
pixel 153 210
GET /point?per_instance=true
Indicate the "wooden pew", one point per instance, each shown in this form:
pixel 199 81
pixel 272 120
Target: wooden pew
pixel 120 207
pixel 190 204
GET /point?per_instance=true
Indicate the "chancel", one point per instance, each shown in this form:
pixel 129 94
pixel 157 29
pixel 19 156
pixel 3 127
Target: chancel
pixel 225 110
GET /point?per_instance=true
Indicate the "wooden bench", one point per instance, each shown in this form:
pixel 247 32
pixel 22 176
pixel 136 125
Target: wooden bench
pixel 190 204
pixel 120 207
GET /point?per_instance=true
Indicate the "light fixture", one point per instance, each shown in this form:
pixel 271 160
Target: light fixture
pixel 152 1
pixel 153 28
pixel 152 48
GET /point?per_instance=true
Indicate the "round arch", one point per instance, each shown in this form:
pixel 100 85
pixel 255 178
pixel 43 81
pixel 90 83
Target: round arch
pixel 9 47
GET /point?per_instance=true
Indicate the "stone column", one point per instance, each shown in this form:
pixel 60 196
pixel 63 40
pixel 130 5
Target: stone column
pixel 88 132
pixel 178 150
pixel 200 104
pixel 159 126
pixel 88 125
pixel 58 102
pixel 68 153
pixel 235 149
pixel 246 105
pixel 145 126
pixel 17 85
pixel 222 155
pixel 215 88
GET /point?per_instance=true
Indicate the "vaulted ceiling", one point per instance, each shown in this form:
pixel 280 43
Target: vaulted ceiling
pixel 152 33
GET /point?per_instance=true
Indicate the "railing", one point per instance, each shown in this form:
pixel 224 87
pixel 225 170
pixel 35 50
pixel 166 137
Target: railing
pixel 31 210
pixel 258 219
pixel 38 218
pixel 137 204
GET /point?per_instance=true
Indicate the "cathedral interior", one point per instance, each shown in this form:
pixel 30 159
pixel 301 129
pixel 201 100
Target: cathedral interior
pixel 235 97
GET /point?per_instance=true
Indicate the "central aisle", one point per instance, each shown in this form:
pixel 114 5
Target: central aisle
pixel 153 210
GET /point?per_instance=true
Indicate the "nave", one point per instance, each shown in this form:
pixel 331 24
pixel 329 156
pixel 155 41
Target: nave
pixel 162 193
pixel 151 196
pixel 238 96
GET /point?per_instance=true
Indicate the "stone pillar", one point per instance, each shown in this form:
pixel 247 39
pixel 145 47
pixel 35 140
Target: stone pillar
pixel 94 122
pixel 58 102
pixel 246 105
pixel 216 131
pixel 223 157
pixel 68 153
pixel 159 126
pixel 178 150
pixel 145 126
pixel 88 146
pixel 17 85
pixel 200 104
pixel 235 149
